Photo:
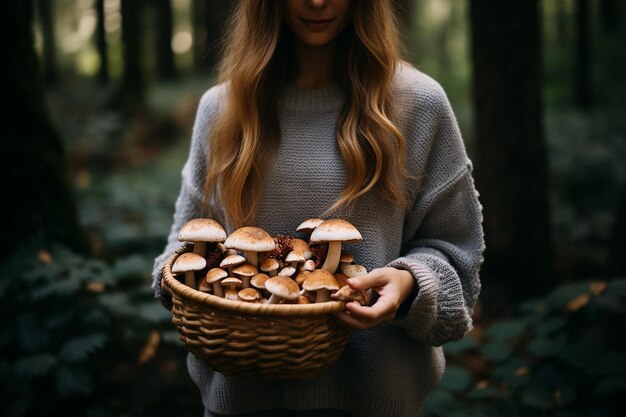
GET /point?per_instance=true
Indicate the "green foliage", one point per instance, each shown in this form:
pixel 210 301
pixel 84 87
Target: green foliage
pixel 70 323
pixel 561 355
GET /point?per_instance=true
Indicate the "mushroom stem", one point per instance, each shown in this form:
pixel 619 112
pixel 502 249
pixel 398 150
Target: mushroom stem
pixel 199 248
pixel 246 281
pixel 274 299
pixel 332 257
pixel 322 295
pixel 251 257
pixel 218 290
pixel 190 279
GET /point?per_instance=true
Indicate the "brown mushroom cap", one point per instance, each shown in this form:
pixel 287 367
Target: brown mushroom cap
pixel 232 260
pixel 215 274
pixel 299 245
pixel 231 281
pixel 249 238
pixel 204 230
pixel 283 287
pixel 309 225
pixel 249 294
pixel 294 256
pixel 353 270
pixel 188 261
pixel 341 279
pixel 346 258
pixel 269 264
pixel 320 279
pixel 259 280
pixel 335 230
pixel 246 270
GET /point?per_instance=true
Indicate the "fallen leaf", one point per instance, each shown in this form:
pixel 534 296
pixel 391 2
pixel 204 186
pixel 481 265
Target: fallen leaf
pixel 521 371
pixel 577 303
pixel 96 286
pixel 149 349
pixel 44 257
pixel 597 287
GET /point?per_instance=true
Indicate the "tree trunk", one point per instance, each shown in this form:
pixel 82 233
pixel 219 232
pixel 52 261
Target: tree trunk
pixel 617 244
pixel 209 17
pixel 610 16
pixel 38 202
pixel 165 67
pixel 404 11
pixel 45 11
pixel 101 45
pixel 133 84
pixel 582 87
pixel 511 159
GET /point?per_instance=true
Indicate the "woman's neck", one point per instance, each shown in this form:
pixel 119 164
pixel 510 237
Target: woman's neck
pixel 315 66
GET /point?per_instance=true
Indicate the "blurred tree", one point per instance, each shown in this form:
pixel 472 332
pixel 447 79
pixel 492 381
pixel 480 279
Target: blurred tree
pixel 405 10
pixel 165 68
pixel 45 11
pixel 582 68
pixel 610 15
pixel 561 21
pixel 131 94
pixel 101 44
pixel 617 244
pixel 208 18
pixel 511 155
pixel 37 193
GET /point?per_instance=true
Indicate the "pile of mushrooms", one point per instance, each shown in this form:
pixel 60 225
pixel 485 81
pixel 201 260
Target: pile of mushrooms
pixel 250 266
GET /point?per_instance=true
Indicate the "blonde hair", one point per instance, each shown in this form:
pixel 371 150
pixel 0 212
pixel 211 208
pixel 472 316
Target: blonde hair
pixel 256 61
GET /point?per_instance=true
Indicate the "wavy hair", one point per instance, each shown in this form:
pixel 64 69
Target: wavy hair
pixel 257 59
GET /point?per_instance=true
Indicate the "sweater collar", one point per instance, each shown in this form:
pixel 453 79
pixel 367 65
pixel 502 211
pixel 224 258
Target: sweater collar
pixel 327 99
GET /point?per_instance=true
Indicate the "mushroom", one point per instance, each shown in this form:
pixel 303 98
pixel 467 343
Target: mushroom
pixel 299 245
pixel 201 231
pixel 345 259
pixel 341 279
pixel 258 281
pixel 293 258
pixel 346 293
pixel 230 261
pixel 270 265
pixel 322 282
pixel 308 265
pixel 287 271
pixel 250 240
pixel 309 225
pixel 188 263
pixel 301 277
pixel 334 231
pixel 248 295
pixel 245 272
pixel 232 283
pixel 213 277
pixel 282 288
pixel 352 271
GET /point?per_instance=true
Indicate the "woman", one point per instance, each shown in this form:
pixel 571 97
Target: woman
pixel 316 115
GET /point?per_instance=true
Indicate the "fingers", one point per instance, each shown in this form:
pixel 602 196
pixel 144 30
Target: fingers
pixel 374 279
pixel 361 318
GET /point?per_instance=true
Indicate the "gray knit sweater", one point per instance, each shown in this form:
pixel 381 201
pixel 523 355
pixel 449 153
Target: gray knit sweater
pixel 386 371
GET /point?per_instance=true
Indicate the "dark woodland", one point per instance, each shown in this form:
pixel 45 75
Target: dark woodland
pixel 101 96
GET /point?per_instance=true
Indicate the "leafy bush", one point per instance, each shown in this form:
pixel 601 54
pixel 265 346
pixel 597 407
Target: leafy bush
pixel 561 355
pixel 81 337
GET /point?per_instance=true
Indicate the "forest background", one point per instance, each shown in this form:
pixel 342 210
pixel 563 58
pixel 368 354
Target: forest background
pixel 101 96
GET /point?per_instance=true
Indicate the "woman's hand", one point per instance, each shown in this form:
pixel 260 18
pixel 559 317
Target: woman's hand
pixel 393 287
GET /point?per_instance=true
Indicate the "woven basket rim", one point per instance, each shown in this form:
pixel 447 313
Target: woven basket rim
pixel 187 294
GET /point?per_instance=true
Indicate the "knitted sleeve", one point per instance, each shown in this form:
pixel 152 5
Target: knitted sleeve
pixel 443 242
pixel 190 202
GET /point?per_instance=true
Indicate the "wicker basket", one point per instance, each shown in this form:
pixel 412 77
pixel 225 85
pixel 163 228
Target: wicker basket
pixel 262 341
